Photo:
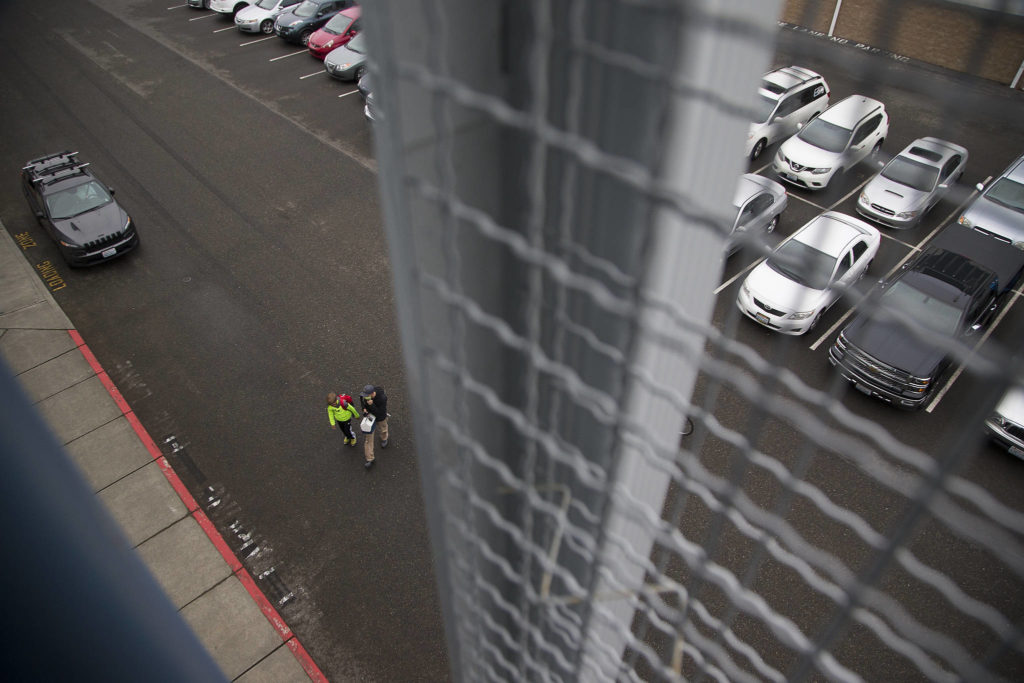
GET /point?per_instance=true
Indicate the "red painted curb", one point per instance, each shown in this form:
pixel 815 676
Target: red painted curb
pixel 279 625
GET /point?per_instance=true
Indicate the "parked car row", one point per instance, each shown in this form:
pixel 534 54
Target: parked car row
pixel 896 349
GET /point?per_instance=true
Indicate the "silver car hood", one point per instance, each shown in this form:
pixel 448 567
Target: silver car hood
pixel 893 195
pixel 779 292
pixel 256 13
pixel 807 155
pixel 994 217
pixel 1012 405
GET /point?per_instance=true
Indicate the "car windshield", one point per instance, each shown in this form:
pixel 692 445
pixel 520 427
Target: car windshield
pixel 77 200
pixel 337 24
pixel 357 44
pixel 267 4
pixel 1008 193
pixel 903 299
pixel 825 135
pixel 803 264
pixel 763 108
pixel 306 9
pixel 911 173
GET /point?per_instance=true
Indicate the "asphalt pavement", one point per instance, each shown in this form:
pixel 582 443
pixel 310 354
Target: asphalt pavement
pixel 125 470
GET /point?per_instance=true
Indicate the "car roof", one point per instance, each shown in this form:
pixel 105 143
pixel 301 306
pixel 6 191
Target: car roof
pixel 849 111
pixel 831 231
pixel 931 151
pixel 750 184
pixel 781 80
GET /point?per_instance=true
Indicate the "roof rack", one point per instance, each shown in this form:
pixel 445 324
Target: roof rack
pixel 49 157
pixel 60 172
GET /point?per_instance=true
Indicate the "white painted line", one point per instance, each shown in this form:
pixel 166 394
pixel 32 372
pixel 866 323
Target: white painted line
pixel 960 369
pixel 226 28
pixel 301 52
pixel 258 40
pixel 315 73
pixel 913 250
pixel 177 6
pixel 205 16
pixel 346 94
pixel 819 207
pixel 887 236
pixel 853 192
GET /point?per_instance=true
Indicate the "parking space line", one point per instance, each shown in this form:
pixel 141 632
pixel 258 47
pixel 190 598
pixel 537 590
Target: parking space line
pixel 226 28
pixel 300 52
pixel 205 16
pixel 806 201
pixel 852 192
pixel 315 73
pixel 909 246
pixel 258 40
pixel 913 250
pixel 346 94
pixel 177 6
pixel 960 368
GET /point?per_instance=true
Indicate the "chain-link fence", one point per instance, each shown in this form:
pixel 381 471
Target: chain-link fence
pixel 558 177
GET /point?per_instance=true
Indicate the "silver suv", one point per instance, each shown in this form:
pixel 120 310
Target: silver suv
pixel 787 98
pixel 999 210
pixel 846 134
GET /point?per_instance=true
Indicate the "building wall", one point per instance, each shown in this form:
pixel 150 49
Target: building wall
pixel 983 43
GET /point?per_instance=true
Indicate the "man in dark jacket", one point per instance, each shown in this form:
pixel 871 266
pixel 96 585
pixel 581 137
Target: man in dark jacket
pixel 375 402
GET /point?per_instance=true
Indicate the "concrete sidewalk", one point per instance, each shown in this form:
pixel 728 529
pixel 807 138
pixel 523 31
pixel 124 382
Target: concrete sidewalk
pixel 203 579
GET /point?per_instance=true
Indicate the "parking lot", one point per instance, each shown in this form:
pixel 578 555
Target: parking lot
pixel 263 281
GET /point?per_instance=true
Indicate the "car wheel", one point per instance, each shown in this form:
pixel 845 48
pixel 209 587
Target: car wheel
pixel 238 8
pixel 360 72
pixel 877 149
pixel 771 226
pixel 267 27
pixel 758 149
pixel 814 323
pixel 304 38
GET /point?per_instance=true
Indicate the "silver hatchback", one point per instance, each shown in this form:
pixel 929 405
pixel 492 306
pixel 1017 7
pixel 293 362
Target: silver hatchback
pixel 999 211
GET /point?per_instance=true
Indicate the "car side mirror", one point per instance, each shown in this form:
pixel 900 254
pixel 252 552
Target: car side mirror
pixel 39 214
pixel 111 191
pixel 979 187
pixel 800 125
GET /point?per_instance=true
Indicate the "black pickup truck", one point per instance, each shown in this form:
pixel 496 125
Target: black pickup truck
pixel 954 288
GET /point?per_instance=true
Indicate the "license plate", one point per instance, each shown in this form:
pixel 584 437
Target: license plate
pixel 862 388
pixel 108 253
pixel 761 318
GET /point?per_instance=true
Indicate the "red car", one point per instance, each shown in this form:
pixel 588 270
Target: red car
pixel 342 28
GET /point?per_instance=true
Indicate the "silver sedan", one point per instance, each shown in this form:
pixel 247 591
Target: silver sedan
pixel 790 290
pixel 758 201
pixel 912 182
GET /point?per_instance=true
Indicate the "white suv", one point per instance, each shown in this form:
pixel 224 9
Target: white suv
pixel 787 98
pixel 832 143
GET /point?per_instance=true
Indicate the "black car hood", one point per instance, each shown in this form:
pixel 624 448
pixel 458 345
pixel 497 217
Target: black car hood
pixel 108 219
pixel 893 344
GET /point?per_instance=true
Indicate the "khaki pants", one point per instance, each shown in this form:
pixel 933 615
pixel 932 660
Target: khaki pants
pixel 382 429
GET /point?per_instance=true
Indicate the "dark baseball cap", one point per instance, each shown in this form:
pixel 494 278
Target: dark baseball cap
pixel 367 390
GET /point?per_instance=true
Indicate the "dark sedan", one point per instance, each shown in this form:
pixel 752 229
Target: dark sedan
pixel 297 24
pixel 77 210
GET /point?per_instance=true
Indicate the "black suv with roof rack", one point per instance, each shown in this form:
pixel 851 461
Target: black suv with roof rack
pixel 952 290
pixel 77 210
